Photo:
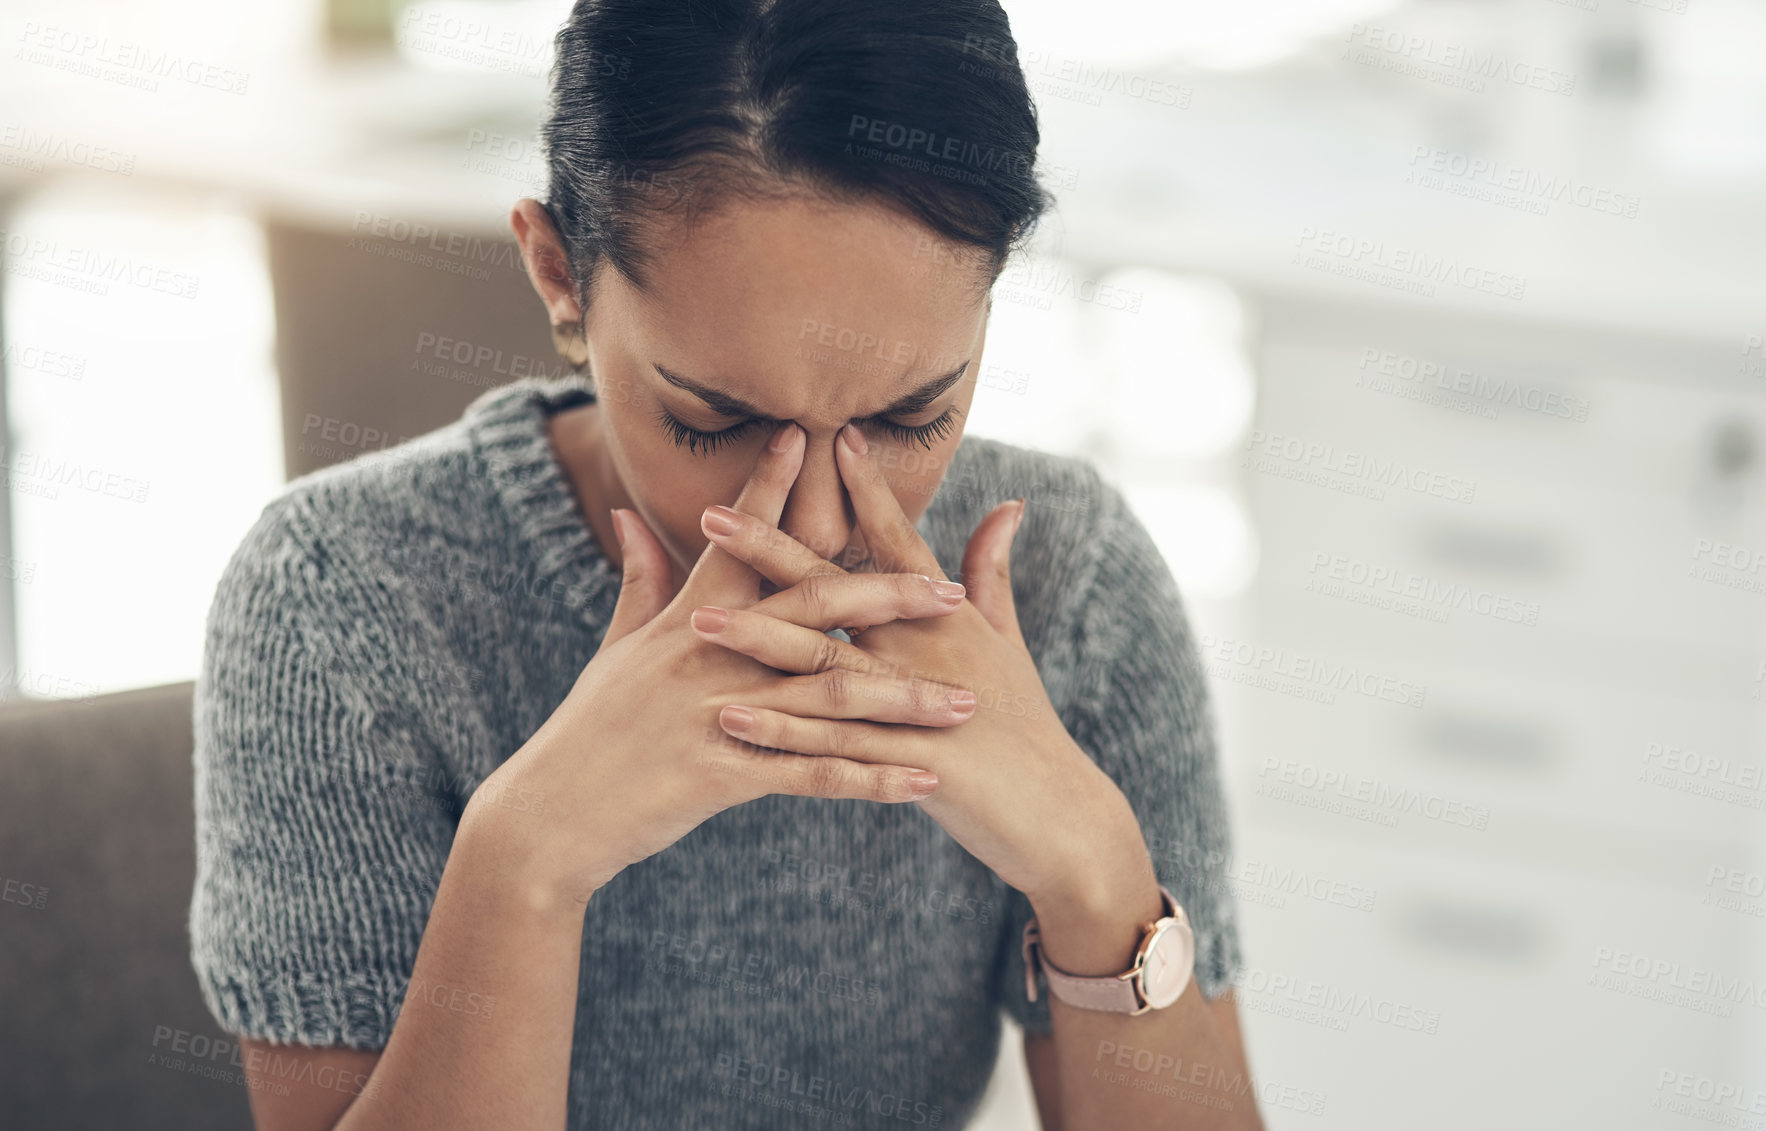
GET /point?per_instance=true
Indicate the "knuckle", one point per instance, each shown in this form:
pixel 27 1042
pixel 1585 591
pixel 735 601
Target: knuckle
pixel 879 783
pixel 802 694
pixel 912 590
pixel 839 740
pixel 837 685
pixel 827 656
pixel 826 777
pixel 769 554
pixel 748 545
pixel 818 602
pixel 855 741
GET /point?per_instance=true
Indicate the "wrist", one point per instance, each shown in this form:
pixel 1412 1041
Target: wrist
pixel 1093 928
pixel 514 849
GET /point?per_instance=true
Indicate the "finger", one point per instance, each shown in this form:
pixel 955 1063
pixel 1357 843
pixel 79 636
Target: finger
pixel 716 575
pixel 849 600
pixel 805 775
pixel 987 567
pixel 645 575
pixel 769 551
pixel 792 647
pixel 846 600
pixel 843 738
pixel 890 538
pixel 777 644
pixel 840 693
pixel 764 495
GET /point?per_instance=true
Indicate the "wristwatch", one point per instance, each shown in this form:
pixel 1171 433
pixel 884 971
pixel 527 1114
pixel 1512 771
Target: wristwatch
pixel 1163 965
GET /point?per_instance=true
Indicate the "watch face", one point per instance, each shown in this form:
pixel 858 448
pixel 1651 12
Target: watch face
pixel 1170 961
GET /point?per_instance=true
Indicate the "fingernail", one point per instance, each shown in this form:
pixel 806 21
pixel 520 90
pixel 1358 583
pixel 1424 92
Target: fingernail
pixel 736 718
pixel 1016 522
pixel 948 591
pixel 710 618
pixel 921 783
pixel 854 439
pixel 719 520
pixel 783 437
pixel 618 528
pixel 962 701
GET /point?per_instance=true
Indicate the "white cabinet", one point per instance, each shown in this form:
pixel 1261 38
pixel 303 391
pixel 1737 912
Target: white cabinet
pixel 1502 667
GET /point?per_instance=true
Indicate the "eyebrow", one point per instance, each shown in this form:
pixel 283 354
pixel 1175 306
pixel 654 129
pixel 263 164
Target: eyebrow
pixel 729 405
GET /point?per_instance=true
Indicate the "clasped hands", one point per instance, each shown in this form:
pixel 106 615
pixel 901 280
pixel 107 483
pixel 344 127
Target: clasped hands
pixel 1012 786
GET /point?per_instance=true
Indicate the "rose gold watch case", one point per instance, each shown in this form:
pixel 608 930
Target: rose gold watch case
pixel 1165 962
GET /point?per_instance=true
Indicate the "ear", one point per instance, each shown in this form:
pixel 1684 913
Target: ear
pixel 548 267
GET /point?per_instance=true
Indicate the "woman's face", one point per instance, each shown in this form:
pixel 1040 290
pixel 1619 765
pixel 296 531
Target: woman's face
pixel 786 311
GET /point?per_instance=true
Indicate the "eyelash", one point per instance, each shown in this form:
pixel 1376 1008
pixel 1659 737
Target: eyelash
pixel 693 439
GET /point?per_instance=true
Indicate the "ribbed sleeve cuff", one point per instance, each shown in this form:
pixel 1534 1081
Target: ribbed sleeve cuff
pixel 290 1009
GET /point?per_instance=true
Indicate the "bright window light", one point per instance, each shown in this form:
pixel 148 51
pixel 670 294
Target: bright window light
pixel 1139 33
pixel 1175 349
pixel 1205 534
pixel 1037 386
pixel 146 432
pixel 1709 115
pixel 510 37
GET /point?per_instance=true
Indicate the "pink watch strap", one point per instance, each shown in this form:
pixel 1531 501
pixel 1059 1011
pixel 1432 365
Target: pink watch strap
pixel 1112 993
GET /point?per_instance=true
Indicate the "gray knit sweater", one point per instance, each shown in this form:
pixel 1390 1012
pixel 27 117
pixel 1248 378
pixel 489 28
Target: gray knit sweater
pixel 392 629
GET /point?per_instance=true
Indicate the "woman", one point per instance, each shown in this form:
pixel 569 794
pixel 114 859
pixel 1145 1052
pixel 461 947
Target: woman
pixel 623 755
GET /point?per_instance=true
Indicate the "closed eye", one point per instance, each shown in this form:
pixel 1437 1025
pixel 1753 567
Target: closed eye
pixel 693 439
pixel 925 434
pixel 699 441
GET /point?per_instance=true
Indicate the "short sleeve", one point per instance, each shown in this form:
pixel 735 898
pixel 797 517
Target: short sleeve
pixel 1141 709
pixel 322 819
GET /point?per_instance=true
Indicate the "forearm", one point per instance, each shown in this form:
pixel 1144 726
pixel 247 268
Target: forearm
pixel 1166 1068
pixel 484 1037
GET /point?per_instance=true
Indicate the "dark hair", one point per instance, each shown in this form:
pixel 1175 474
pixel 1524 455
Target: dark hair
pixel 679 104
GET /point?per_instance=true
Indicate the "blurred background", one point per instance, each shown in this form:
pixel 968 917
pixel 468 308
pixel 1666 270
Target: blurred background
pixel 1428 338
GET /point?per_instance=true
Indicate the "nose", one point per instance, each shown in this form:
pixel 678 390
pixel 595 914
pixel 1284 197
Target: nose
pixel 818 512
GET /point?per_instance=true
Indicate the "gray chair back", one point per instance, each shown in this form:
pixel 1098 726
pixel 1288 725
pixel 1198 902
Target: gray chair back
pixel 103 1026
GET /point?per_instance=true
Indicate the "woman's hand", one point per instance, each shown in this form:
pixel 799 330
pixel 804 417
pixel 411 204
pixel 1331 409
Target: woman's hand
pixel 633 759
pixel 1015 789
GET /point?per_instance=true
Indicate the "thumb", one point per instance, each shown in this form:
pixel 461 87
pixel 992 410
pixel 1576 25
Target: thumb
pixel 987 567
pixel 645 579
